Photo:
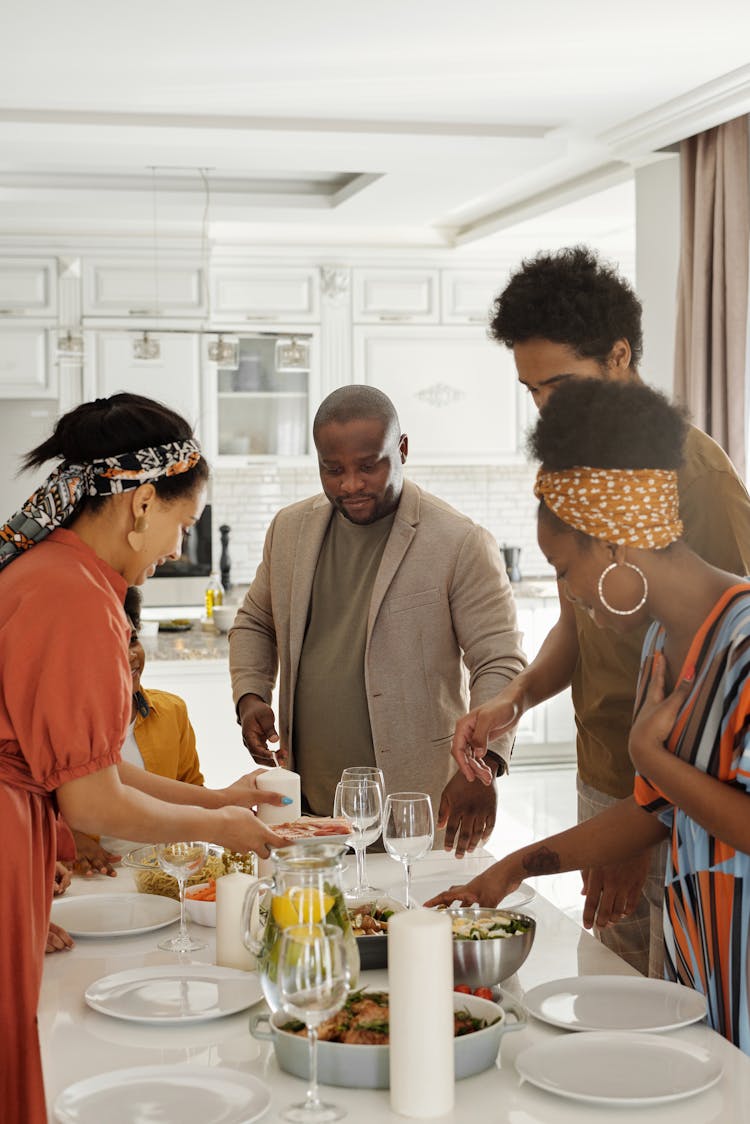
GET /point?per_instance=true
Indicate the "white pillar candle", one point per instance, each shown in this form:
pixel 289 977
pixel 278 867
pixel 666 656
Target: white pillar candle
pixel 420 982
pixel 288 784
pixel 230 898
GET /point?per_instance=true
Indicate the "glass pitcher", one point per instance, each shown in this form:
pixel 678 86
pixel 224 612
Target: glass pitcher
pixel 305 889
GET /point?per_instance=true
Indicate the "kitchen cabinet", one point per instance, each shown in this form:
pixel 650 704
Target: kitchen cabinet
pixel 140 287
pixel 261 405
pixel 456 392
pixel 206 687
pixel 28 287
pixel 27 366
pixel 547 733
pixel 241 294
pixel 467 295
pixel 396 295
pixel 173 377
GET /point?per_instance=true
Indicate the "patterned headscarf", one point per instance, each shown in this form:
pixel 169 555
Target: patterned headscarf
pixel 57 498
pixel 627 506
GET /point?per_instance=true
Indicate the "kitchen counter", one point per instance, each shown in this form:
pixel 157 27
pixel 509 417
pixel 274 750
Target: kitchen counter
pixel 194 644
pixel 78 1042
pixel 197 644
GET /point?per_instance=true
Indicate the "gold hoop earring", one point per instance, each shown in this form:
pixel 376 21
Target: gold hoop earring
pixel 602 598
pixel 137 537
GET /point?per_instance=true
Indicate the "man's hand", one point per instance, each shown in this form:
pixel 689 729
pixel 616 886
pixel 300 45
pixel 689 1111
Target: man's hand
pixel 91 858
pixel 258 723
pixel 613 892
pixel 480 726
pixel 467 812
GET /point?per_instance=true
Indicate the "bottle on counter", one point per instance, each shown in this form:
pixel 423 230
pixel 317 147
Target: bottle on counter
pixel 214 595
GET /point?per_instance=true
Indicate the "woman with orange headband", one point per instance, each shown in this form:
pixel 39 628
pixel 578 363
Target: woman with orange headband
pixel 609 525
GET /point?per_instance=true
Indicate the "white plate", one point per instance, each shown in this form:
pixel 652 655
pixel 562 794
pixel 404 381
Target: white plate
pixel 422 889
pixel 114 915
pixel 174 994
pixel 167 1093
pixel 619 1068
pixel 615 1003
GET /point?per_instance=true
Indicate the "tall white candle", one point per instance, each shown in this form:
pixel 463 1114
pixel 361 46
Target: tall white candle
pixel 288 784
pixel 230 898
pixel 420 982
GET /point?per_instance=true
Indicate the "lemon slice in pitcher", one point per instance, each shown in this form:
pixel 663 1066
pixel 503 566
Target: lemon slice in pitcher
pixel 301 905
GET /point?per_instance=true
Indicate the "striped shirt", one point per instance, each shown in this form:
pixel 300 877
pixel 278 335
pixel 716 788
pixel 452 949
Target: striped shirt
pixel 707 882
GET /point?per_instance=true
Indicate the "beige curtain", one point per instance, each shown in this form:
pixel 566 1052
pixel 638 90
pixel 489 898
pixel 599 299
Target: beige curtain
pixel 712 290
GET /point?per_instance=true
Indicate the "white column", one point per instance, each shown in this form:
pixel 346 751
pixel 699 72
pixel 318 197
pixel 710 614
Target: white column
pixel 657 259
pixel 335 329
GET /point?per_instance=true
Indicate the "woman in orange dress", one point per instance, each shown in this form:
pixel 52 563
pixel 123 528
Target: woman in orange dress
pixel 130 483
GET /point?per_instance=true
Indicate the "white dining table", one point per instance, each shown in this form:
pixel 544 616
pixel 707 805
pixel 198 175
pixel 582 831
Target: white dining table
pixel 78 1042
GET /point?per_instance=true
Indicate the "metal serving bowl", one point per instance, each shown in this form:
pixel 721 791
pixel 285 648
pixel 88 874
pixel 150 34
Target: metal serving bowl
pixel 482 963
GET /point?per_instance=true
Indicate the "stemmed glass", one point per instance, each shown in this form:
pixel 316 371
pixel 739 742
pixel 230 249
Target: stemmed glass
pixel 313 976
pixel 181 860
pixel 358 800
pixel 408 831
pixel 371 772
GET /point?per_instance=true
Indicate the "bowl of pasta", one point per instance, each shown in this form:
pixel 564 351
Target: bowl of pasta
pixel 149 877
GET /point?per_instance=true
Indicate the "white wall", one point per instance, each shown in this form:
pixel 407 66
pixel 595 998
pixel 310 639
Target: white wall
pixel 657 257
pixel 498 497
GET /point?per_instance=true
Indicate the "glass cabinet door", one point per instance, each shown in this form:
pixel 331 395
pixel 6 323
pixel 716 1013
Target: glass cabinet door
pixel 263 401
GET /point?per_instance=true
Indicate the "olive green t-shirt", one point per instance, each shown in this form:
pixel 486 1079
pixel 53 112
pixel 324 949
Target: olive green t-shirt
pixel 715 511
pixel 331 726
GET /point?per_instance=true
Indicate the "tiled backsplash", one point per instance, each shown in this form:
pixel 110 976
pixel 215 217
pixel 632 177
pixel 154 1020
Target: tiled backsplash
pixel 500 497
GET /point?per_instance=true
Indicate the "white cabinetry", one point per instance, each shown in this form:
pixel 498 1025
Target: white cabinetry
pixel 173 378
pixel 28 287
pixel 240 294
pixel 546 733
pixel 456 392
pixel 467 295
pixel 206 687
pixel 393 295
pixel 139 288
pixel 27 368
pixel 262 407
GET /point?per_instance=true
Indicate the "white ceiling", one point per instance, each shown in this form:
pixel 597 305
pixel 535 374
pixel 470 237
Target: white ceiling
pixel 421 123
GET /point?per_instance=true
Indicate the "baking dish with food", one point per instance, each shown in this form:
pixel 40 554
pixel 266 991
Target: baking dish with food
pixel 366 1066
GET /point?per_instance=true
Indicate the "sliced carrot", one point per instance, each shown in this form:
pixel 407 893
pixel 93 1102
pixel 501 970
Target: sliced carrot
pixel 205 894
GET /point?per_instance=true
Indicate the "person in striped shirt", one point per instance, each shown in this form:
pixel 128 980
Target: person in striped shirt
pixel 609 525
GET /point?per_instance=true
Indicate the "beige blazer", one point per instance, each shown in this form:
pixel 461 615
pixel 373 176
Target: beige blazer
pixel 441 631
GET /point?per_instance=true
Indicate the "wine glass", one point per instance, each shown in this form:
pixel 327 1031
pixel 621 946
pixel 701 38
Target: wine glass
pixel 313 976
pixel 408 831
pixel 371 772
pixel 181 860
pixel 358 800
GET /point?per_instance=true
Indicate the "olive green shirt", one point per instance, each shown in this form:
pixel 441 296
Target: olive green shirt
pixel 715 511
pixel 331 717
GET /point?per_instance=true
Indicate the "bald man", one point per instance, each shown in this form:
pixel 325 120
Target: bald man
pixel 376 603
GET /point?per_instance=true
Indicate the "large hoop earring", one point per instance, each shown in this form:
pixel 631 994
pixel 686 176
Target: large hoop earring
pixel 603 599
pixel 137 537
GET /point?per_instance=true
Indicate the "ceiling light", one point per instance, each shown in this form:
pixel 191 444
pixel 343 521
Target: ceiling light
pixel 146 348
pixel 292 355
pixel 225 353
pixel 69 346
